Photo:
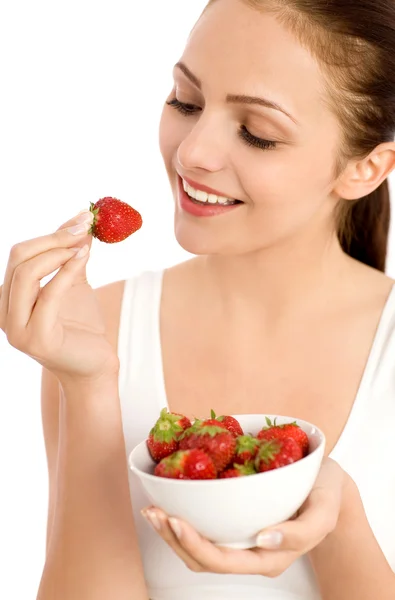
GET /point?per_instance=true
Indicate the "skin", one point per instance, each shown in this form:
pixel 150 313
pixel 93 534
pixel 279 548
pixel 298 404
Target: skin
pixel 270 290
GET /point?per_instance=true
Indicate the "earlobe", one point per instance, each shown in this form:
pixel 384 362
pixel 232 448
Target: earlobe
pixel 362 177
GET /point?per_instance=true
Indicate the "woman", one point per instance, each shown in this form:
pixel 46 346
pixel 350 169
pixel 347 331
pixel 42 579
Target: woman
pixel 278 142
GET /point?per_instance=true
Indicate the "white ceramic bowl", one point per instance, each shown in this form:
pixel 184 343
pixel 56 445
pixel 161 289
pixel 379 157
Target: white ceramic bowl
pixel 231 512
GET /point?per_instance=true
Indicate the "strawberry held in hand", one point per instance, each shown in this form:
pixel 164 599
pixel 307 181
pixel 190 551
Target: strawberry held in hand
pixel 277 453
pixel 163 437
pixel 292 430
pixel 219 443
pixel 114 220
pixel 187 464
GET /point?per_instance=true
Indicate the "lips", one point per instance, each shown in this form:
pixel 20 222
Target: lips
pixel 205 188
pixel 202 209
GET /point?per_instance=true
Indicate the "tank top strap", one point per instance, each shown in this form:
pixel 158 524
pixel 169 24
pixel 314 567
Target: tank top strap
pixel 141 385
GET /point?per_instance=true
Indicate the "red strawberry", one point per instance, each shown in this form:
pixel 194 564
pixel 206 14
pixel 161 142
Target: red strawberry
pixel 114 220
pixel 163 437
pixel 246 449
pixel 216 441
pixel 187 464
pixel 210 423
pixel 230 423
pixel 274 454
pixel 238 471
pixel 292 430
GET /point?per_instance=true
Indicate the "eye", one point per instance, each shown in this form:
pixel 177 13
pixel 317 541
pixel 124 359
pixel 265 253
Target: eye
pixel 257 142
pixel 183 108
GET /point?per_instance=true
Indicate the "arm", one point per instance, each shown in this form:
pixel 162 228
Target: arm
pixel 109 298
pixel 50 398
pixel 349 563
pixel 92 551
pixel 92 548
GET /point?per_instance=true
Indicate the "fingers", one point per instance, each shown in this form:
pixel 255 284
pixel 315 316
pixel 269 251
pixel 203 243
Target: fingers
pixel 277 548
pixel 47 308
pixel 25 291
pixel 25 251
pixel 72 221
pixel 317 517
pixel 160 523
pixel 221 559
pixel 200 555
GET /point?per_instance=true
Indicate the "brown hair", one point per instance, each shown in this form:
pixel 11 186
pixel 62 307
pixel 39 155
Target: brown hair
pixel 354 41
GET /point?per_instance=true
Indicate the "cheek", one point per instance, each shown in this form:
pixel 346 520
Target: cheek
pixel 290 176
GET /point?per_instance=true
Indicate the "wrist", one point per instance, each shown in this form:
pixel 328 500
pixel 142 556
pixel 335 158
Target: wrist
pixel 105 383
pixel 91 408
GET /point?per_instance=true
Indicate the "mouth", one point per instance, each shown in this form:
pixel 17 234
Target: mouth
pixel 202 195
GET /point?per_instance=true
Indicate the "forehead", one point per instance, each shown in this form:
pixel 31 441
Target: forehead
pixel 235 49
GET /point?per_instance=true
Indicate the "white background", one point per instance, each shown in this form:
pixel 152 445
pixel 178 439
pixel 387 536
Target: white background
pixel 82 88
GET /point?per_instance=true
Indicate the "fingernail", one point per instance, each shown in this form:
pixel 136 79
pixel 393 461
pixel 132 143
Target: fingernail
pixel 82 251
pixel 78 229
pixel 175 526
pixel 270 539
pixel 153 519
pixel 85 216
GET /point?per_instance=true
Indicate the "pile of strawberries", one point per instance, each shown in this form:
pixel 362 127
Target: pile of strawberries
pixel 217 448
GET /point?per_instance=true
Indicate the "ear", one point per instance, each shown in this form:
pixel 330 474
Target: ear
pixel 363 176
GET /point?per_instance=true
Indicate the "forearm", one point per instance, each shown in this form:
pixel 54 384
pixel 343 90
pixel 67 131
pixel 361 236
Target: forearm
pixel 93 552
pixel 349 563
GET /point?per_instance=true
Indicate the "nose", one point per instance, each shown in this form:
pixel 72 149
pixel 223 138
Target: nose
pixel 205 147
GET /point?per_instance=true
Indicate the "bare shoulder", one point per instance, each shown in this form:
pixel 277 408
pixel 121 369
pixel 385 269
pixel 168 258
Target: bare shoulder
pixel 110 300
pixel 375 280
pixel 370 290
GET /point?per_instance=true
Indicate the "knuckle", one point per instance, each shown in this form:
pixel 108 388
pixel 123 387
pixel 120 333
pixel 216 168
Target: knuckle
pixel 20 271
pixel 17 252
pixel 14 337
pixel 56 238
pixel 195 568
pixel 275 566
pixel 273 571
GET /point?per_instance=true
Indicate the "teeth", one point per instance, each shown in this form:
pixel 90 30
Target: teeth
pixel 204 197
pixel 201 196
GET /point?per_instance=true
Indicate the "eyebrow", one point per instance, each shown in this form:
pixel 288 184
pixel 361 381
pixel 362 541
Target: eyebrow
pixel 237 98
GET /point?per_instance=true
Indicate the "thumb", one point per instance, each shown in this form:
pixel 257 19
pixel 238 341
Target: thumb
pixel 86 240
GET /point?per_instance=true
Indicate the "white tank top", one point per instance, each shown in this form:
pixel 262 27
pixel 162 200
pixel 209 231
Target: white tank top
pixel 366 450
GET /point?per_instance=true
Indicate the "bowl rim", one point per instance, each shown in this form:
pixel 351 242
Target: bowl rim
pixel 229 480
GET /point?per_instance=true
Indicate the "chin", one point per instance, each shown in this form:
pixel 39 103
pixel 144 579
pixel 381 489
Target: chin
pixel 206 237
pixel 194 242
pixel 200 241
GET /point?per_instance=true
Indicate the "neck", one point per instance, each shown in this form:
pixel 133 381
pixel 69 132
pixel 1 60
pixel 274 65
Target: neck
pixel 279 280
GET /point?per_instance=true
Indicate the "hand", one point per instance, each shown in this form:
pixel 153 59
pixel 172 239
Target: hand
pixel 279 547
pixel 59 324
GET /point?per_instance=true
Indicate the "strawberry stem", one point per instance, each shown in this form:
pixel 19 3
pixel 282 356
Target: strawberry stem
pixel 95 212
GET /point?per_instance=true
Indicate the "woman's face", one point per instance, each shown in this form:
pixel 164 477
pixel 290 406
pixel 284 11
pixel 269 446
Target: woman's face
pixel 239 62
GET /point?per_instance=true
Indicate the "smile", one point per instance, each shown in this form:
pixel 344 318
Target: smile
pixel 205 198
